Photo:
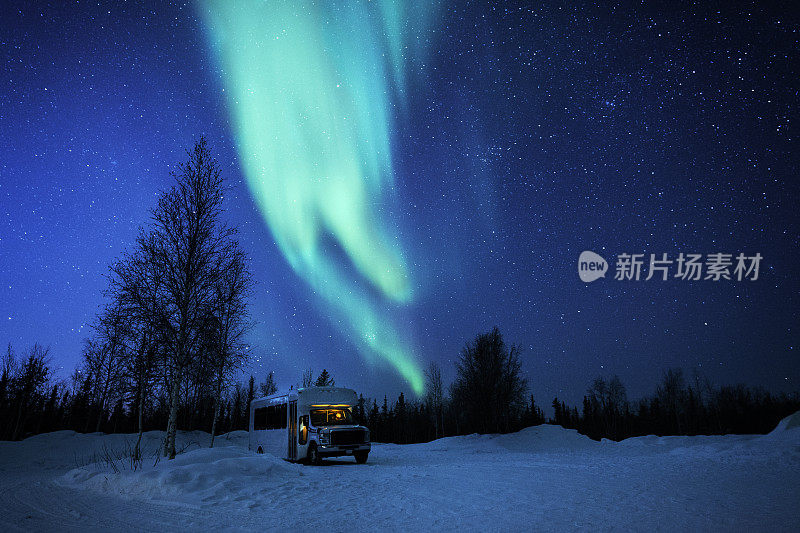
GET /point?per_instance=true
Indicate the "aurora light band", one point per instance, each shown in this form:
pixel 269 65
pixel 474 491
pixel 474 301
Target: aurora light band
pixel 310 88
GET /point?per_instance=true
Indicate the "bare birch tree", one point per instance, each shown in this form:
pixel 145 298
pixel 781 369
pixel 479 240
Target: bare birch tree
pixel 228 323
pixel 307 379
pixel 105 358
pixel 172 277
pixel 435 396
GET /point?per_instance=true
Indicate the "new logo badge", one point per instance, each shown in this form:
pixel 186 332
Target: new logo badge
pixel 591 266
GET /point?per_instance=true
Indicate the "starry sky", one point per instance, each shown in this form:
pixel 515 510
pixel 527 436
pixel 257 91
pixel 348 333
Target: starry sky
pixel 519 137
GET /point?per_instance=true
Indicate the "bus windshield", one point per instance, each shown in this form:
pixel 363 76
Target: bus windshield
pixel 331 417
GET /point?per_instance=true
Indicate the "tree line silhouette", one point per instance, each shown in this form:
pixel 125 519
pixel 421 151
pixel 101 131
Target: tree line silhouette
pixel 33 401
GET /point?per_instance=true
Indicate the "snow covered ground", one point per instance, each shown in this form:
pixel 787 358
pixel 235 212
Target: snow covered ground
pixel 540 478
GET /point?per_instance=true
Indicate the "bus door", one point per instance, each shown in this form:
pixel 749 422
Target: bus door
pixel 292 452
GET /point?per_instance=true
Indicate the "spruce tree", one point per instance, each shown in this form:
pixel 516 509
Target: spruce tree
pixel 324 380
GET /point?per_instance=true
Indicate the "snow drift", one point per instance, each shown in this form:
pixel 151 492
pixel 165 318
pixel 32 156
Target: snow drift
pixel 788 430
pixel 220 474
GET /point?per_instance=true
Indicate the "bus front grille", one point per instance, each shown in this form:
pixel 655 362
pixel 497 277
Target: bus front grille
pixel 349 436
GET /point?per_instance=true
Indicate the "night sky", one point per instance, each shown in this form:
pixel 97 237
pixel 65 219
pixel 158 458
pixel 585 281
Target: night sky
pixel 519 138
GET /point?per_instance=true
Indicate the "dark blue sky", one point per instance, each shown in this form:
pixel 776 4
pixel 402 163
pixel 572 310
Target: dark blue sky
pixel 530 135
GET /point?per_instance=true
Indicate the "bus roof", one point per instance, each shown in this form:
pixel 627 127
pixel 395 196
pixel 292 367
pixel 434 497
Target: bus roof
pixel 314 396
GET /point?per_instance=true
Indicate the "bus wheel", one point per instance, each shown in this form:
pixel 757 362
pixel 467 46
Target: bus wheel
pixel 361 457
pixel 313 455
pixel 259 450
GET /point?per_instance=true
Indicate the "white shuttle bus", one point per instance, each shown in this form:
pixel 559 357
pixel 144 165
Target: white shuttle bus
pixel 308 424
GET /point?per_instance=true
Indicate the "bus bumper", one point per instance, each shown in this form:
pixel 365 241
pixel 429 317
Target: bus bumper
pixel 327 450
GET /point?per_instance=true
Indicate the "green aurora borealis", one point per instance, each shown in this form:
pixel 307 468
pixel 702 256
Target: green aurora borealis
pixel 311 90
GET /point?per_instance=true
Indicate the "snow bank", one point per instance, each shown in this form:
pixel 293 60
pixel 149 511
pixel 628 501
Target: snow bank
pixel 97 461
pixel 537 439
pixel 201 475
pixel 785 438
pixel 787 431
pixel 546 439
pixel 68 449
pixel 789 424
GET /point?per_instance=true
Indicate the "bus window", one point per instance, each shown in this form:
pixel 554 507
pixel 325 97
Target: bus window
pixel 260 419
pixel 270 417
pixel 331 417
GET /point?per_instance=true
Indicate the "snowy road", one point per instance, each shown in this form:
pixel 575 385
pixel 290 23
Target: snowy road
pixel 541 478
